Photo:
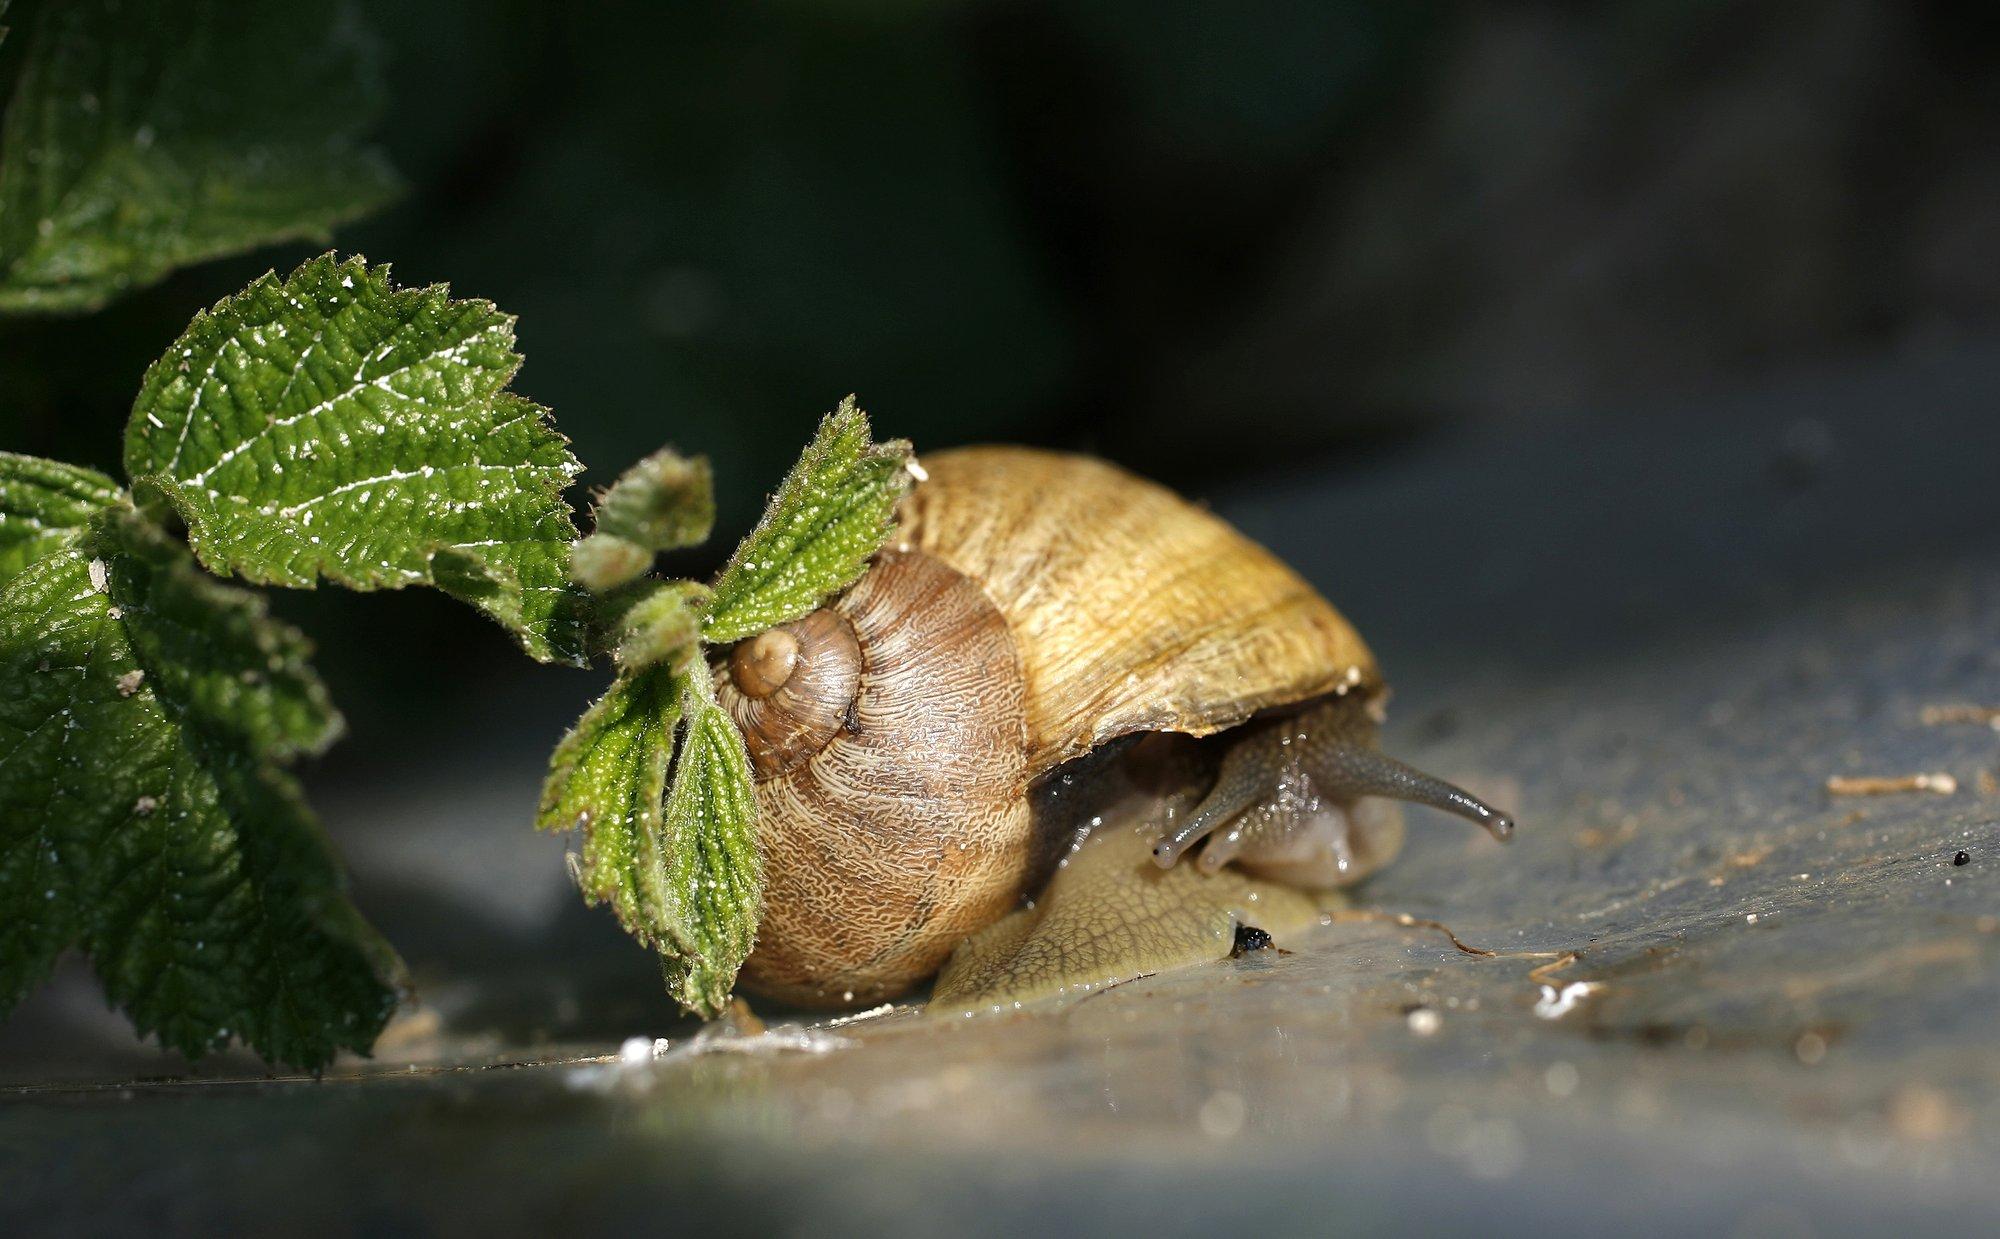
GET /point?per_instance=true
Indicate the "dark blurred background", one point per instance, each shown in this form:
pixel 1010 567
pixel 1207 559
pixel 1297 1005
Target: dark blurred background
pixel 1241 247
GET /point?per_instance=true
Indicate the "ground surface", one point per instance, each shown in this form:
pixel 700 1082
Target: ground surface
pixel 1721 997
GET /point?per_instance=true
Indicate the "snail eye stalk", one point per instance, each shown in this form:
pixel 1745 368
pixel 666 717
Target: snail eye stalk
pixel 1346 770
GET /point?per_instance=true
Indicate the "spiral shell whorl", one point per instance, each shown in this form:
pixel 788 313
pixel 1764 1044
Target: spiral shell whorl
pixel 794 686
pixel 909 828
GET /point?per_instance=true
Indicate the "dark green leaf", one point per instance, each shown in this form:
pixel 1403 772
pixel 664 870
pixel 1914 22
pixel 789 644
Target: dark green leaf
pixel 328 425
pixel 143 816
pixel 144 135
pixel 43 504
pixel 213 651
pixel 834 511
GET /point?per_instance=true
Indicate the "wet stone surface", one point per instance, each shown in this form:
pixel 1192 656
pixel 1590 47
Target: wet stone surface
pixel 1708 993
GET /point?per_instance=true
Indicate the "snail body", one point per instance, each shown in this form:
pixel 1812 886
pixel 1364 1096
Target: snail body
pixel 1033 612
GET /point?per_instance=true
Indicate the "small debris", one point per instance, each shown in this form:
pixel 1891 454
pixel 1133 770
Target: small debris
pixel 1222 1115
pixel 872 1013
pixel 1810 1048
pixel 1556 1003
pixel 720 1038
pixel 1933 781
pixel 129 682
pixel 1248 938
pixel 1948 715
pixel 1749 858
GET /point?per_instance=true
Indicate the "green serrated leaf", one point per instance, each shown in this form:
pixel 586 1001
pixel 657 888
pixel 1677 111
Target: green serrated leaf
pixel 608 779
pixel 834 511
pixel 557 619
pixel 331 426
pixel 678 864
pixel 663 503
pixel 145 135
pixel 43 503
pixel 143 816
pixel 714 876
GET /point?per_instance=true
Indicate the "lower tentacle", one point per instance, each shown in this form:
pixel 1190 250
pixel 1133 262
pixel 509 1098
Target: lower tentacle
pixel 1245 779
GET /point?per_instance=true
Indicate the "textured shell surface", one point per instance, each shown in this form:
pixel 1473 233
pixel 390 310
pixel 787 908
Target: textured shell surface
pixel 1132 608
pixel 909 830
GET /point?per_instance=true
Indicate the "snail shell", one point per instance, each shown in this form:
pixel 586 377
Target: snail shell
pixel 1032 607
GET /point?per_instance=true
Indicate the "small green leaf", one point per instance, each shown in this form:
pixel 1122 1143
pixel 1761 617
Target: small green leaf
pixel 602 563
pixel 144 816
pixel 608 778
pixel 664 627
pixel 663 503
pixel 42 505
pixel 835 510
pixel 678 864
pixel 145 135
pixel 714 877
pixel 330 426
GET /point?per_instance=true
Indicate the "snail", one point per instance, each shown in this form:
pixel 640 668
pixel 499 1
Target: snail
pixel 1040 649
